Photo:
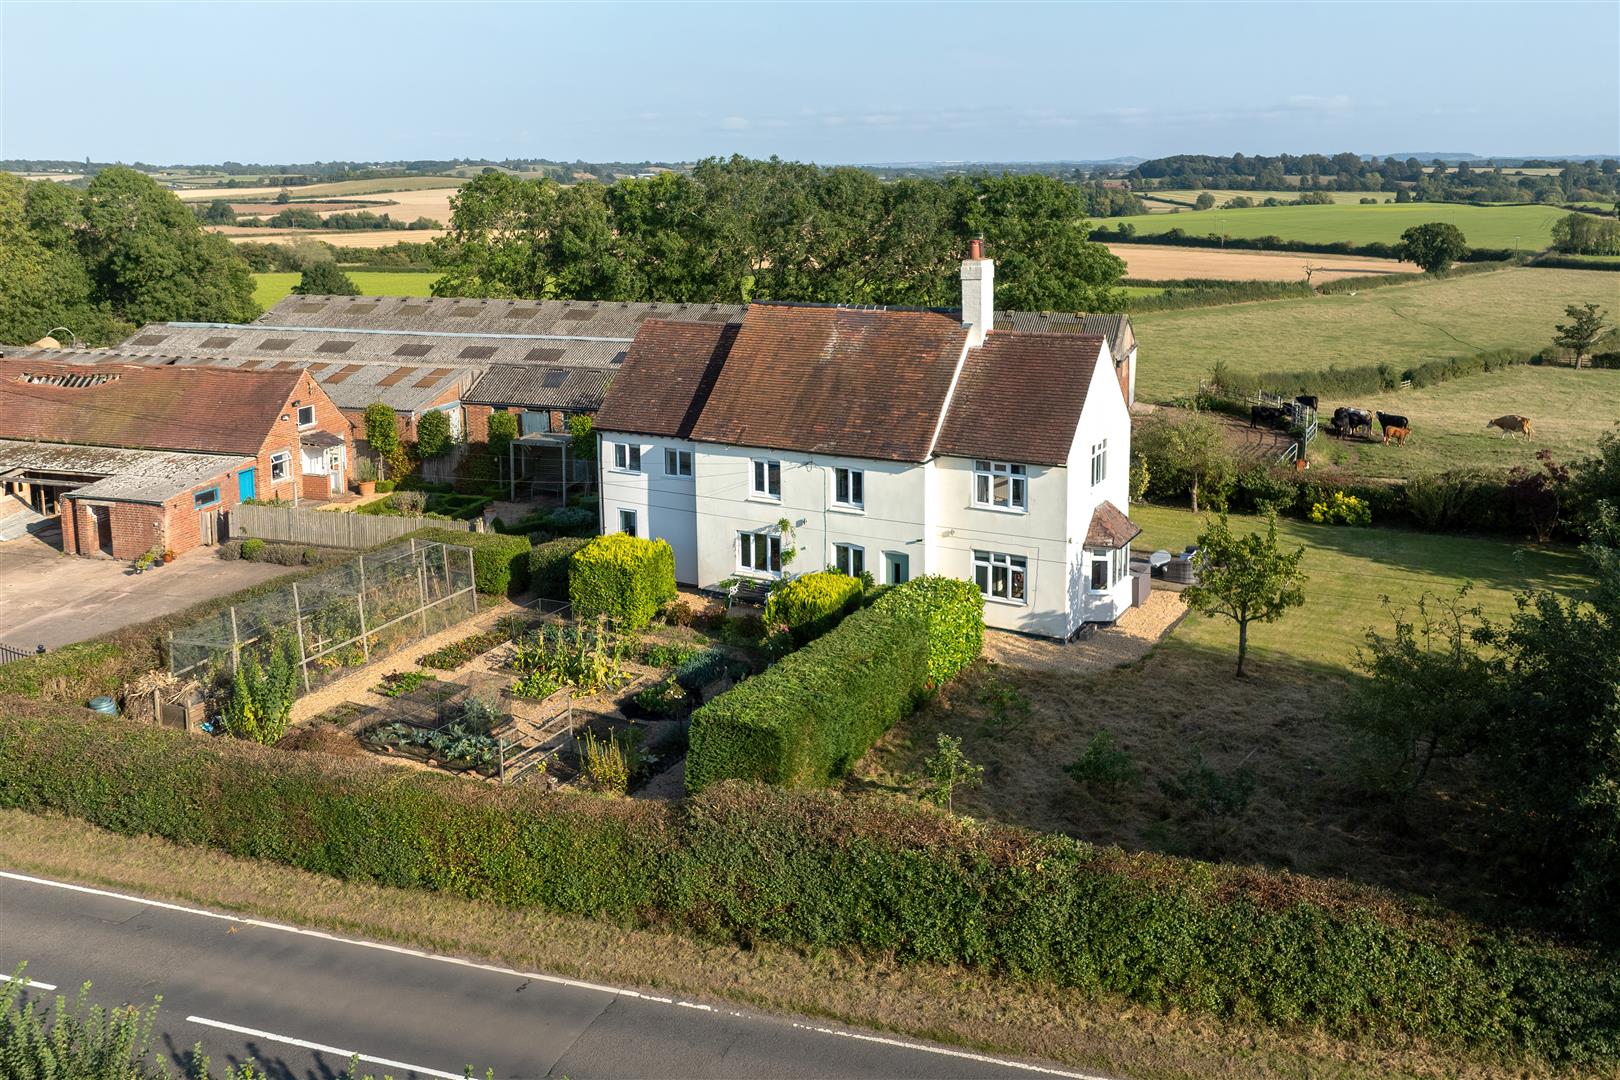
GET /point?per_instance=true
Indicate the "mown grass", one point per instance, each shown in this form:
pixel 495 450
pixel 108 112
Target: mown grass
pixel 1188 196
pixel 951 1005
pixel 1483 226
pixel 271 288
pixel 1403 325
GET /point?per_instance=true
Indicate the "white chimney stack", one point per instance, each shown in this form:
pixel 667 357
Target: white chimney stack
pixel 978 294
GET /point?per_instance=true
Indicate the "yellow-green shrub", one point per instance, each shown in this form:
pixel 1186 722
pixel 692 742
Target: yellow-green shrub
pixel 811 605
pixel 623 577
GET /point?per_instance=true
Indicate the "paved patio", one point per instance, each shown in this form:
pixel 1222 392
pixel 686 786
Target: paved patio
pixel 51 599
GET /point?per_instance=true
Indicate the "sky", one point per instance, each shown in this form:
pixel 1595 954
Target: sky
pixel 173 83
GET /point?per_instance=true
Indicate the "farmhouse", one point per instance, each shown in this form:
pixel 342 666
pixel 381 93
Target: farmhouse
pixel 896 442
pixel 132 457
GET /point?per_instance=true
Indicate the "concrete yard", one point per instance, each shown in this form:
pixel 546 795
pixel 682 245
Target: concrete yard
pixel 51 599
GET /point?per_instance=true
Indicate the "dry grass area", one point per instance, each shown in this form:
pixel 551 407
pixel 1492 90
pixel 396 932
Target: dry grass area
pixel 944 1004
pixel 343 188
pixel 343 238
pixel 1155 263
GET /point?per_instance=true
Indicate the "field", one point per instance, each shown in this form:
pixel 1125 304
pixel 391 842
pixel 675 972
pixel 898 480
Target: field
pixel 1155 263
pixel 1484 226
pixel 1165 201
pixel 1401 324
pixel 1179 708
pixel 341 188
pixel 270 289
pixel 342 238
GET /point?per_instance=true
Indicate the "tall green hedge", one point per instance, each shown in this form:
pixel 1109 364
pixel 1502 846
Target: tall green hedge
pixel 812 604
pixel 623 577
pixel 548 566
pixel 821 869
pixel 808 717
pixel 500 563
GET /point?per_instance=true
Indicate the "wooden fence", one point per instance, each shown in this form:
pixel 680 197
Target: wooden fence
pixel 329 528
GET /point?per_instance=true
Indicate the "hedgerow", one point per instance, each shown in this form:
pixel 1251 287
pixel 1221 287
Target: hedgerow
pixel 812 604
pixel 548 566
pixel 821 869
pixel 1334 381
pixel 808 717
pixel 623 577
pixel 500 563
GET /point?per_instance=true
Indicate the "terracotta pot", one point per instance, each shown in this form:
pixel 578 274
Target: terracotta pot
pixel 366 487
pixel 168 556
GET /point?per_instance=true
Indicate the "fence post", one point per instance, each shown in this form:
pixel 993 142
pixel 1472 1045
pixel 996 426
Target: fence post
pixel 360 600
pixel 473 570
pixel 236 643
pixel 419 558
pixel 298 630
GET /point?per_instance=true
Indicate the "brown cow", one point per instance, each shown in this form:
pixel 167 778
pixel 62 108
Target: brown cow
pixel 1399 434
pixel 1512 422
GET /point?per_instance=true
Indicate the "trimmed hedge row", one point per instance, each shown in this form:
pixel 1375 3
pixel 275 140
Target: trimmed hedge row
pixel 548 566
pixel 808 717
pixel 819 869
pixel 624 577
pixel 812 604
pixel 1368 378
pixel 500 563
pixel 1127 234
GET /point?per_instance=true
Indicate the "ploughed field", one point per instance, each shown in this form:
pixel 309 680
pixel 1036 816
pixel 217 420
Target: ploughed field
pixel 1483 226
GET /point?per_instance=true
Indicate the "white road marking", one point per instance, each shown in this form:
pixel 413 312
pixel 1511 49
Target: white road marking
pixel 555 980
pixel 323 1049
pixel 34 984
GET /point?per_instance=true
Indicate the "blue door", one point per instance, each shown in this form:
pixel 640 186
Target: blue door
pixel 245 484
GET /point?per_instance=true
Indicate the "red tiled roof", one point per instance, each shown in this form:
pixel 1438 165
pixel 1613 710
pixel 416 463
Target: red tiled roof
pixel 857 381
pixel 666 377
pixel 158 408
pixel 1020 396
pixel 1110 528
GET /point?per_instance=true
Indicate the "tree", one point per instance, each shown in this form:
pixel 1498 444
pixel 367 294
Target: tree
pixel 1187 456
pixel 382 432
pixel 1434 246
pixel 583 433
pixel 1583 330
pixel 323 278
pixel 432 433
pixel 1402 195
pixel 948 769
pixel 1204 201
pixel 503 428
pixel 1245 579
pixel 1538 494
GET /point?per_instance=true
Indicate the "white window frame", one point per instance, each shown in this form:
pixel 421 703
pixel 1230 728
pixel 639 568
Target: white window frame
pixel 627 457
pixel 302 423
pixel 1099 462
pixel 986 475
pixel 283 459
pixel 628 516
pixel 1013 572
pixel 677 462
pixel 759 545
pixel 761 473
pixel 853 483
pixel 1108 559
pixel 849 559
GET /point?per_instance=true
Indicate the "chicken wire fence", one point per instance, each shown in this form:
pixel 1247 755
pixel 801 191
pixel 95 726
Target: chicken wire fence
pixel 338 620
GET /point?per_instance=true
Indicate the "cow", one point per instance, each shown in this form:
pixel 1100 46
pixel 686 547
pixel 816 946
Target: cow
pixel 1514 423
pixel 1267 415
pixel 1395 427
pixel 1347 421
pixel 1310 401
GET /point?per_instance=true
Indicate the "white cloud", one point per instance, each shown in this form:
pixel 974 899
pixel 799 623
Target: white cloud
pixel 735 123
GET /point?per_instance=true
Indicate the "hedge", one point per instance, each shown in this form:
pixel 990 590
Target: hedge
pixel 812 604
pixel 1369 378
pixel 825 870
pixel 1377 249
pixel 623 577
pixel 500 563
pixel 809 717
pixel 548 567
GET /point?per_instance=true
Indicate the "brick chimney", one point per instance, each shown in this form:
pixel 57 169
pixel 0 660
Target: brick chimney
pixel 978 294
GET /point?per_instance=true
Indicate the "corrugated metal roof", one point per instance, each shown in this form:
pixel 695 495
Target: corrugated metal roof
pixel 531 386
pixel 144 476
pixel 599 318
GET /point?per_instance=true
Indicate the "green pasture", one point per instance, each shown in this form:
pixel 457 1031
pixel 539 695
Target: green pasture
pixel 271 288
pixel 1483 226
pixel 1186 197
pixel 1349 569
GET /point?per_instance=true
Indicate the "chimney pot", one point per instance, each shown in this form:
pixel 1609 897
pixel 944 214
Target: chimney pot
pixel 975 249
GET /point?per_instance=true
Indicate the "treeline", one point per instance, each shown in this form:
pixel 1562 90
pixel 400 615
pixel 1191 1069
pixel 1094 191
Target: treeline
pixel 739 229
pixel 1583 234
pixel 1575 180
pixel 1125 233
pixel 106 258
pixel 294 217
pixel 264 256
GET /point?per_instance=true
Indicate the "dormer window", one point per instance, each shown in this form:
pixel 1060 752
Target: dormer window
pixel 1000 485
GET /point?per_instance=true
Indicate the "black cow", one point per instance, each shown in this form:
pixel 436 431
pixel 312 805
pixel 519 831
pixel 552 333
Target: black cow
pixel 1348 421
pixel 1308 400
pixel 1390 420
pixel 1267 415
pixel 1395 427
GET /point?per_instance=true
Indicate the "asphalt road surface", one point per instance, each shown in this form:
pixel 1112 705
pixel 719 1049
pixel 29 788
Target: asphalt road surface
pixel 301 1002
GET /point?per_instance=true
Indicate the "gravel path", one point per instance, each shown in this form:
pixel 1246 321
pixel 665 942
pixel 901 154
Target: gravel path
pixel 1126 641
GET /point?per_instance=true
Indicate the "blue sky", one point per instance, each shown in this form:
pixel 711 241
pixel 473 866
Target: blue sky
pixel 829 82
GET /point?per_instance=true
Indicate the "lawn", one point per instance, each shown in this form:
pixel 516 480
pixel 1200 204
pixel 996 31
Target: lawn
pixel 1402 325
pixel 1269 746
pixel 271 288
pixel 1484 226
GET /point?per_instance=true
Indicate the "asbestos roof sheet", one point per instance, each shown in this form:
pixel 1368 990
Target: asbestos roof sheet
pixel 143 476
pixel 536 387
pixel 584 318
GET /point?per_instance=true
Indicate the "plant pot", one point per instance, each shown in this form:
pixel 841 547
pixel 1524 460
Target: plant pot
pixel 168 556
pixel 366 487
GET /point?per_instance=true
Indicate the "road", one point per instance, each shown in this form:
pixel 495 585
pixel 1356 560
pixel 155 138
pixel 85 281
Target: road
pixel 300 1002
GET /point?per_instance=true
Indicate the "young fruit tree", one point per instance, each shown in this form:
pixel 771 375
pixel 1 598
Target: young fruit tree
pixel 948 769
pixel 1582 331
pixel 1246 579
